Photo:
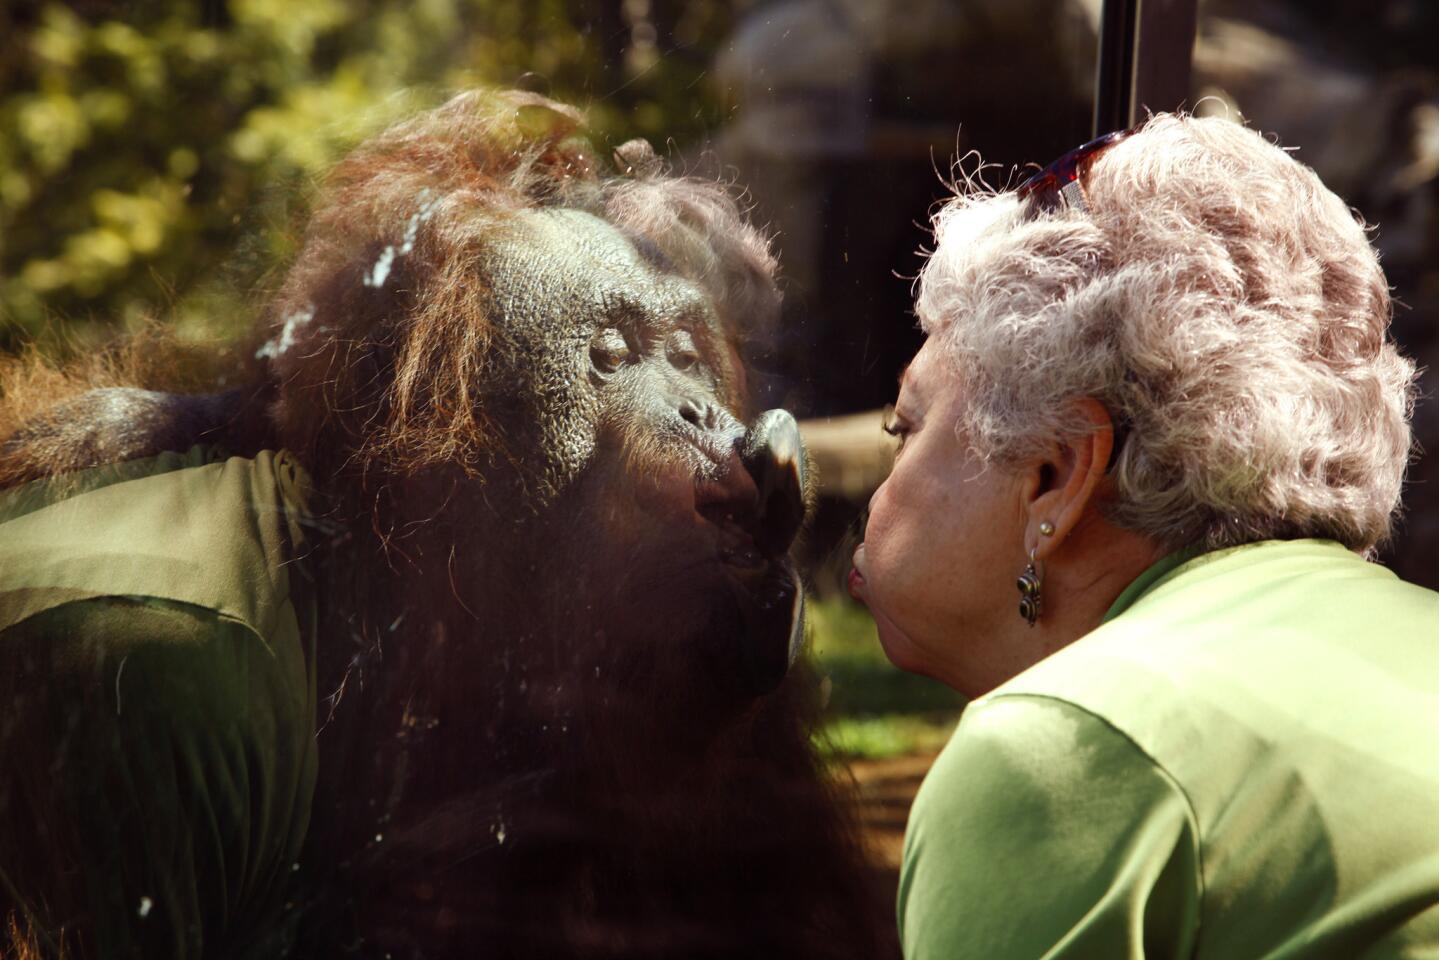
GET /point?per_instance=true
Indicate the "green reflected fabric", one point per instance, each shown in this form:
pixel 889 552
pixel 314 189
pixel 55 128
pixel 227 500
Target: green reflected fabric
pixel 1242 761
pixel 157 705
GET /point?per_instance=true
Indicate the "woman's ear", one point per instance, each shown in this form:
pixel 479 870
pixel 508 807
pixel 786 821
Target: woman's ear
pixel 1062 485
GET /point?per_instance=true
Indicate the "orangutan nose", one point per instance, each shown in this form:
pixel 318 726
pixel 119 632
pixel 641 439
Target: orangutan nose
pixel 700 413
pixel 773 454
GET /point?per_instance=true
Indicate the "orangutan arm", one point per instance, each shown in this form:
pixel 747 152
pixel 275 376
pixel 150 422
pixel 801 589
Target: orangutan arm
pixel 116 424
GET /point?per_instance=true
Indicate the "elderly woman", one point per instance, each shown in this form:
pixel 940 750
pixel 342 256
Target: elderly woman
pixel 1157 393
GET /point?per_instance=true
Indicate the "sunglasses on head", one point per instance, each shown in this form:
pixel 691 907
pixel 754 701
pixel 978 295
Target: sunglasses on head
pixel 1059 183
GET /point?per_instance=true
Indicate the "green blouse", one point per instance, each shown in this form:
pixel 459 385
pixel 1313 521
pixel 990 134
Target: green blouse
pixel 1242 761
pixel 157 748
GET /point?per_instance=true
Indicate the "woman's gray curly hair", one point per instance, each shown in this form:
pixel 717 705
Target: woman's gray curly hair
pixel 1224 306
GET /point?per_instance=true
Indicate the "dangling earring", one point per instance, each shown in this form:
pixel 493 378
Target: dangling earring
pixel 1030 603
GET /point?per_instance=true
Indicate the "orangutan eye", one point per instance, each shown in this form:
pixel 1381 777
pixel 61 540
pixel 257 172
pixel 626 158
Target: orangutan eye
pixel 681 349
pixel 609 350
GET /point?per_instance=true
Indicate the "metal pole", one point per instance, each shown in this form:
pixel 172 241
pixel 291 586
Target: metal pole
pixel 1114 81
pixel 1146 50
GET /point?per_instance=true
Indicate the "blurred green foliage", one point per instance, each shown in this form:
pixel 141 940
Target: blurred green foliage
pixel 154 155
pixel 874 709
pixel 888 735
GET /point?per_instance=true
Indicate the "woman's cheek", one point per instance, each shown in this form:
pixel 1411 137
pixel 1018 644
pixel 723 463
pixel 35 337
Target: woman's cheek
pixel 890 565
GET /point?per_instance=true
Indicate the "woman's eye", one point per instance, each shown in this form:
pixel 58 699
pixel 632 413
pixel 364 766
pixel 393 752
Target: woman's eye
pixel 895 426
pixel 681 350
pixel 609 350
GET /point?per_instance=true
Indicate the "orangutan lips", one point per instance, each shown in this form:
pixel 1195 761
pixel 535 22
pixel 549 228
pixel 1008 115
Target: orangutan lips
pixel 773 455
pixel 756 501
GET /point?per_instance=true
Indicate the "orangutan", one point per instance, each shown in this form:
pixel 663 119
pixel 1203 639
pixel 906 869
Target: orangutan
pixel 464 625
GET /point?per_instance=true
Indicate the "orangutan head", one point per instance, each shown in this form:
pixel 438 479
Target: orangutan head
pixel 491 334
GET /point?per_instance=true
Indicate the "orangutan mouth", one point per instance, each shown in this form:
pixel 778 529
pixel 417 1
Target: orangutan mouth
pixel 736 544
pixel 757 501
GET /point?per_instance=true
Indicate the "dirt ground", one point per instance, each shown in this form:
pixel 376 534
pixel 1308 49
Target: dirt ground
pixel 886 791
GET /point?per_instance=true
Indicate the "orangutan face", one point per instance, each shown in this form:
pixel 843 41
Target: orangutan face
pixel 625 397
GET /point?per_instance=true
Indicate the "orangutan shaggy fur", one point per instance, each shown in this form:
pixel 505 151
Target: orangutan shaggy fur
pixel 542 718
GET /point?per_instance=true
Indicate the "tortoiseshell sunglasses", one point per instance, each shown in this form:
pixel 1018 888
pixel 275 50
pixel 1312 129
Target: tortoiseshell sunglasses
pixel 1060 180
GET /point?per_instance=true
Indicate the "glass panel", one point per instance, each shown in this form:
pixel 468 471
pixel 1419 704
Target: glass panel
pixel 841 115
pixel 472 685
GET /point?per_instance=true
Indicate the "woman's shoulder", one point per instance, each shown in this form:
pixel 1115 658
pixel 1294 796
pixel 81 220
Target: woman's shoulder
pixel 1239 614
pixel 1260 639
pixel 1287 691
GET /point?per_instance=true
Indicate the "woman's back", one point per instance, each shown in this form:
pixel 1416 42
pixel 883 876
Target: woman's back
pixel 1196 778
